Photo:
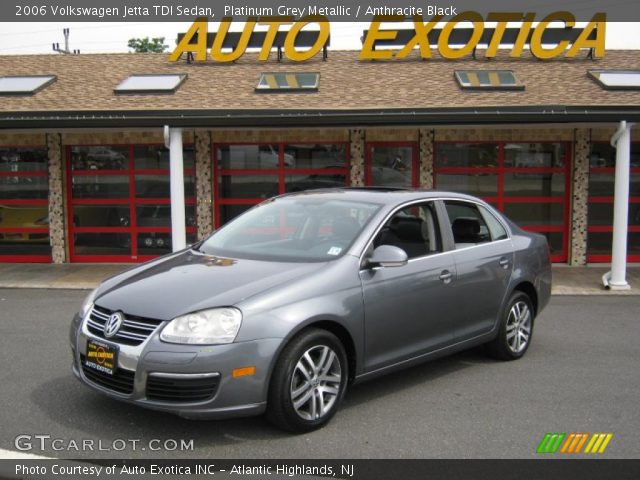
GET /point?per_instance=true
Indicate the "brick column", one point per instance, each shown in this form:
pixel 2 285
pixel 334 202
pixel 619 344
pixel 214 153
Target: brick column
pixel 57 230
pixel 356 146
pixel 204 197
pixel 579 197
pixel 426 158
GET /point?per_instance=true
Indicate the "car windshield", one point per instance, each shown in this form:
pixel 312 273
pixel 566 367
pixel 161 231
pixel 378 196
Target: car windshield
pixel 299 228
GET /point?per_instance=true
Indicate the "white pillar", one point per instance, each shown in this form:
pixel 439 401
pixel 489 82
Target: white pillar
pixel 622 143
pixel 176 177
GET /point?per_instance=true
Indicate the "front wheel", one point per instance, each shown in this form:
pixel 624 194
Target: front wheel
pixel 308 382
pixel 516 329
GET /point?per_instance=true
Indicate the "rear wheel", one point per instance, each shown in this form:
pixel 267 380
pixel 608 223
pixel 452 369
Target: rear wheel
pixel 308 382
pixel 516 329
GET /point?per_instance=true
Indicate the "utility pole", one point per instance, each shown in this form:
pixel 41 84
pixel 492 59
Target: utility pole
pixel 65 51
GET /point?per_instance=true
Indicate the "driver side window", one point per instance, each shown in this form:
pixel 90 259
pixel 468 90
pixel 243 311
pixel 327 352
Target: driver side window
pixel 414 229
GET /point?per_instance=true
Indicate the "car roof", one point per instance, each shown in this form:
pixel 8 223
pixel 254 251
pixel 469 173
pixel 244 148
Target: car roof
pixel 380 195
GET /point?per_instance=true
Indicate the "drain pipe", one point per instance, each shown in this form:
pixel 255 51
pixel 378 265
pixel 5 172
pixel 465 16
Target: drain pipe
pixel 173 141
pixel 615 279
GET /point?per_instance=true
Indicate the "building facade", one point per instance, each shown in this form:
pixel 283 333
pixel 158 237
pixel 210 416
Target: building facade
pixel 84 173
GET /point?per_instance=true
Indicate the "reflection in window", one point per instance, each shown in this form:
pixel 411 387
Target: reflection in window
pixel 391 166
pixel 467 155
pixel 248 157
pixel 99 158
pixel 534 155
pixel 315 156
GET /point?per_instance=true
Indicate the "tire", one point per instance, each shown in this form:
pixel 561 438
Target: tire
pixel 516 329
pixel 301 397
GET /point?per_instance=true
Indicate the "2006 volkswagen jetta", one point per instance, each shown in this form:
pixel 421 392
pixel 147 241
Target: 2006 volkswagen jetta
pixel 282 308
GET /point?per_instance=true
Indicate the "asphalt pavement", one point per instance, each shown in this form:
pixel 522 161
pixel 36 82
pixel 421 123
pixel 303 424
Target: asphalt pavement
pixel 580 375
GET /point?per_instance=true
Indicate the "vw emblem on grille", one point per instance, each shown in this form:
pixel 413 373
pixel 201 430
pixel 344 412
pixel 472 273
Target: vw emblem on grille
pixel 113 324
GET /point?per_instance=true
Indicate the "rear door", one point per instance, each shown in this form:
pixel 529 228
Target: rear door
pixel 484 263
pixel 409 310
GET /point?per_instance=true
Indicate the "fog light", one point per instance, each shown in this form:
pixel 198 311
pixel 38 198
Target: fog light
pixel 159 242
pixel 243 372
pixel 148 242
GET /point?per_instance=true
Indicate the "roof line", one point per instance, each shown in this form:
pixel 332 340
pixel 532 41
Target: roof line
pixel 317 118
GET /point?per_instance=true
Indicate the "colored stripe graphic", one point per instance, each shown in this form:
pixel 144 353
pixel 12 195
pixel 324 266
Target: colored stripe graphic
pixel 598 443
pixel 573 443
pixel 550 443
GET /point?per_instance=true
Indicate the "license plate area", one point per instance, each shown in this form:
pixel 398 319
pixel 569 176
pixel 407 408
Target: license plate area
pixel 101 356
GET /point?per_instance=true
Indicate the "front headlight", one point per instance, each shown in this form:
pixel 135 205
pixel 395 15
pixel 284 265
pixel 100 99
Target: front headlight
pixel 87 304
pixel 207 327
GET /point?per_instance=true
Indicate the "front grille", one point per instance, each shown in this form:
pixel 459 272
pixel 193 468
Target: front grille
pixel 134 330
pixel 121 381
pixel 167 389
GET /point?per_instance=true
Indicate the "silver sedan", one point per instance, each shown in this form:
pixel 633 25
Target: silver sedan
pixel 285 306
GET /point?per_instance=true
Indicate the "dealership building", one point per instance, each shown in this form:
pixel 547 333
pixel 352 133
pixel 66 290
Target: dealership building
pixel 85 175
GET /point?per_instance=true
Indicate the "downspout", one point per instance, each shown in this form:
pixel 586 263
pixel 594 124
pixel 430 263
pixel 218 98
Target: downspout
pixel 173 141
pixel 616 279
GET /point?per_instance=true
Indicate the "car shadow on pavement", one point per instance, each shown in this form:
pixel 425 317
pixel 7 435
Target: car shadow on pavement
pixel 409 377
pixel 91 415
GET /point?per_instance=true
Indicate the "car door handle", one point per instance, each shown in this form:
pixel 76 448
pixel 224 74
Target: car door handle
pixel 504 262
pixel 446 276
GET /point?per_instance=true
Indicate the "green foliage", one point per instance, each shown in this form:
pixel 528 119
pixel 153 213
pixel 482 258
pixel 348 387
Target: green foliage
pixel 143 45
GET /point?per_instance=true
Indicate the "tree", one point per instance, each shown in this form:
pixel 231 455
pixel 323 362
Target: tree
pixel 143 45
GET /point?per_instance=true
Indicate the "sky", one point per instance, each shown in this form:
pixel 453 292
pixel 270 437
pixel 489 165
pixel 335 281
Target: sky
pixel 32 38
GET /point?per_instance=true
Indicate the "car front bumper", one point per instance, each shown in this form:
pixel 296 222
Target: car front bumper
pixel 138 367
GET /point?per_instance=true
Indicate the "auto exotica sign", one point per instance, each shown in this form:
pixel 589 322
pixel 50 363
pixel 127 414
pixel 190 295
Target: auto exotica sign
pixel 531 33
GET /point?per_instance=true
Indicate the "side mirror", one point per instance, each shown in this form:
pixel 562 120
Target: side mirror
pixel 388 256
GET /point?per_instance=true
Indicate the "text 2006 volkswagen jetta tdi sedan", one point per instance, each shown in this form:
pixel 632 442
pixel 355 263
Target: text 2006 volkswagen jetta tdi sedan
pixel 282 308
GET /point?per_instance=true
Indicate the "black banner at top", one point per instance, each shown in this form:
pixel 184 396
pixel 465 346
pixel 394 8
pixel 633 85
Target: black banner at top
pixel 334 10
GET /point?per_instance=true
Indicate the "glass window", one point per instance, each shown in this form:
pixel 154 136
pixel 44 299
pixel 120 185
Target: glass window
pixel 468 226
pixel 101 216
pixel 534 155
pixel 102 243
pixel 250 157
pixel 534 184
pixel 298 183
pixel 24 230
pixel 99 158
pixel 154 157
pixel 496 228
pixel 297 228
pixel 467 155
pixel 392 166
pixel 488 80
pixel 535 214
pixel 315 156
pixel 602 213
pixel 617 79
pixel 413 229
pixel 25 85
pixel 23 160
pixel 23 187
pixel 248 186
pixel 160 215
pixel 478 184
pixel 288 82
pixel 100 186
pixel 162 83
pixel 158 186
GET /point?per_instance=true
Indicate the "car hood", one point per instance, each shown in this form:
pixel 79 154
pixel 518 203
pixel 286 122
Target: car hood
pixel 190 281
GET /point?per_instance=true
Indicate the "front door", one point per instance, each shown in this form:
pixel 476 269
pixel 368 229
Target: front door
pixel 412 309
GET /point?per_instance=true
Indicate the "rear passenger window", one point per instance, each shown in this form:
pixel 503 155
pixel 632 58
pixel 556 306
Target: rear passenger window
pixel 495 227
pixel 467 224
pixel 413 229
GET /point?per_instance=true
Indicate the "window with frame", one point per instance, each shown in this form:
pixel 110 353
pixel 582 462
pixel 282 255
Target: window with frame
pixel 467 224
pixel 24 211
pixel 602 163
pixel 414 229
pixel 392 164
pixel 120 202
pixel 247 174
pixel 527 181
